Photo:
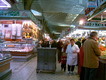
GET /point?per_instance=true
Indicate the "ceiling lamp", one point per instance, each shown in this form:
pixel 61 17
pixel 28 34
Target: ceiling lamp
pixel 104 10
pixel 81 22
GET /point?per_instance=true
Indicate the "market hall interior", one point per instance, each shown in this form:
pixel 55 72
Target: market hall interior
pixel 34 35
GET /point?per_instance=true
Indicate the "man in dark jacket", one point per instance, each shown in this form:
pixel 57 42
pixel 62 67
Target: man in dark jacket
pixel 78 43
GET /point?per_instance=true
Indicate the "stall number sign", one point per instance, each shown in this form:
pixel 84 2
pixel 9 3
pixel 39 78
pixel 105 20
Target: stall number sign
pixel 13 14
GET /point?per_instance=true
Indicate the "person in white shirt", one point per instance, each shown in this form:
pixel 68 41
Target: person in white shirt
pixel 72 52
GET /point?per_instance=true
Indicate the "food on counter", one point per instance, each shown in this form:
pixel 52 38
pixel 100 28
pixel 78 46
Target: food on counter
pixel 103 54
pixel 102 48
pixel 10 46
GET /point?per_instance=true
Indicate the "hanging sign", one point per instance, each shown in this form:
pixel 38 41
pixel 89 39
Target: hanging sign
pixel 92 4
pixel 14 13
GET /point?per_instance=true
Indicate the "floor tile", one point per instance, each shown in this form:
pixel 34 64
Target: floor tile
pixel 27 71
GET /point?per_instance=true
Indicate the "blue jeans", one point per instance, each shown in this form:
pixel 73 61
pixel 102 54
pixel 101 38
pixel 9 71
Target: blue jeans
pixel 90 73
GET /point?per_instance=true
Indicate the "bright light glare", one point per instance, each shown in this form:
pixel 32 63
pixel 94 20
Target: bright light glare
pixel 36 13
pixel 104 10
pixel 81 22
pixel 7 4
pixel 72 26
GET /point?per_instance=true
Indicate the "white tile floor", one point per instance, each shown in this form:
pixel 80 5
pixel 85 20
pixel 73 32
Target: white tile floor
pixel 27 71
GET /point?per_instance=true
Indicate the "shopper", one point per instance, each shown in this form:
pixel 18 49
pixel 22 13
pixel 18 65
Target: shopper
pixel 81 70
pixel 54 44
pixel 63 61
pixel 59 47
pixel 65 46
pixel 91 54
pixel 45 43
pixel 78 42
pixel 72 50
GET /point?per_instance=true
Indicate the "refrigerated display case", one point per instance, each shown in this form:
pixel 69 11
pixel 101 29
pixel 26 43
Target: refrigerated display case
pixel 20 51
pixel 5 58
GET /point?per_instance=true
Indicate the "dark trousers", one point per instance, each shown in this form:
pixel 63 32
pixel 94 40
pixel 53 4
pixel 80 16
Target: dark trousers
pixel 71 68
pixel 82 73
pixel 90 73
pixel 63 66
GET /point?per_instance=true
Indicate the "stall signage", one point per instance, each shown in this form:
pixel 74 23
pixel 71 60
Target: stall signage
pixel 92 4
pixel 14 14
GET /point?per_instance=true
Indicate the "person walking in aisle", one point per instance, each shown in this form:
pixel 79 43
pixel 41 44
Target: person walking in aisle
pixel 91 54
pixel 81 70
pixel 72 51
pixel 59 48
pixel 63 61
pixel 78 42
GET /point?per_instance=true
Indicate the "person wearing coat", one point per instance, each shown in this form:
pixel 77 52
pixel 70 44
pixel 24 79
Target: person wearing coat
pixel 72 51
pixel 91 56
pixel 81 70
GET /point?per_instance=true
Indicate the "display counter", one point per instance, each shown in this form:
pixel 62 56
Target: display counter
pixel 101 73
pixel 5 68
pixel 22 56
pixel 19 51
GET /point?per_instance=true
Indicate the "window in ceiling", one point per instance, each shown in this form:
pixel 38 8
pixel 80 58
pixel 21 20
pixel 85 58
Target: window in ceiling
pixel 36 13
pixel 4 4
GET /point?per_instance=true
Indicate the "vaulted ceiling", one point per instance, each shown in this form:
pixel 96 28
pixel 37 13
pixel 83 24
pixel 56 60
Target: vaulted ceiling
pixel 57 15
pixel 60 14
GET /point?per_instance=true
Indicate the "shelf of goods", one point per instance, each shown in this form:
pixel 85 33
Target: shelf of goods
pixel 20 51
pixel 101 74
pixel 5 59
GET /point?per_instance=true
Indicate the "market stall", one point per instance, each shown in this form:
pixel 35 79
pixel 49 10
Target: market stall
pixel 5 58
pixel 20 51
pixel 20 37
pixel 101 74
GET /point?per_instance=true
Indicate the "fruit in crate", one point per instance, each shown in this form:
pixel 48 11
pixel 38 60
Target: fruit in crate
pixel 102 48
pixel 103 55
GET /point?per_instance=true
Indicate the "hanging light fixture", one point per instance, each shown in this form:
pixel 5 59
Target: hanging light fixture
pixel 81 22
pixel 104 10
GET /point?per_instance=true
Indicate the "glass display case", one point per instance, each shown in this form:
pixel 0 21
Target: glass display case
pixel 18 47
pixel 5 58
pixel 20 51
pixel 4 54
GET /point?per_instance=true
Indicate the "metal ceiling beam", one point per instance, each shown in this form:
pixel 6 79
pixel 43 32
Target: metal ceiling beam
pixel 27 4
pixel 98 19
pixel 11 1
pixel 97 11
pixel 92 28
